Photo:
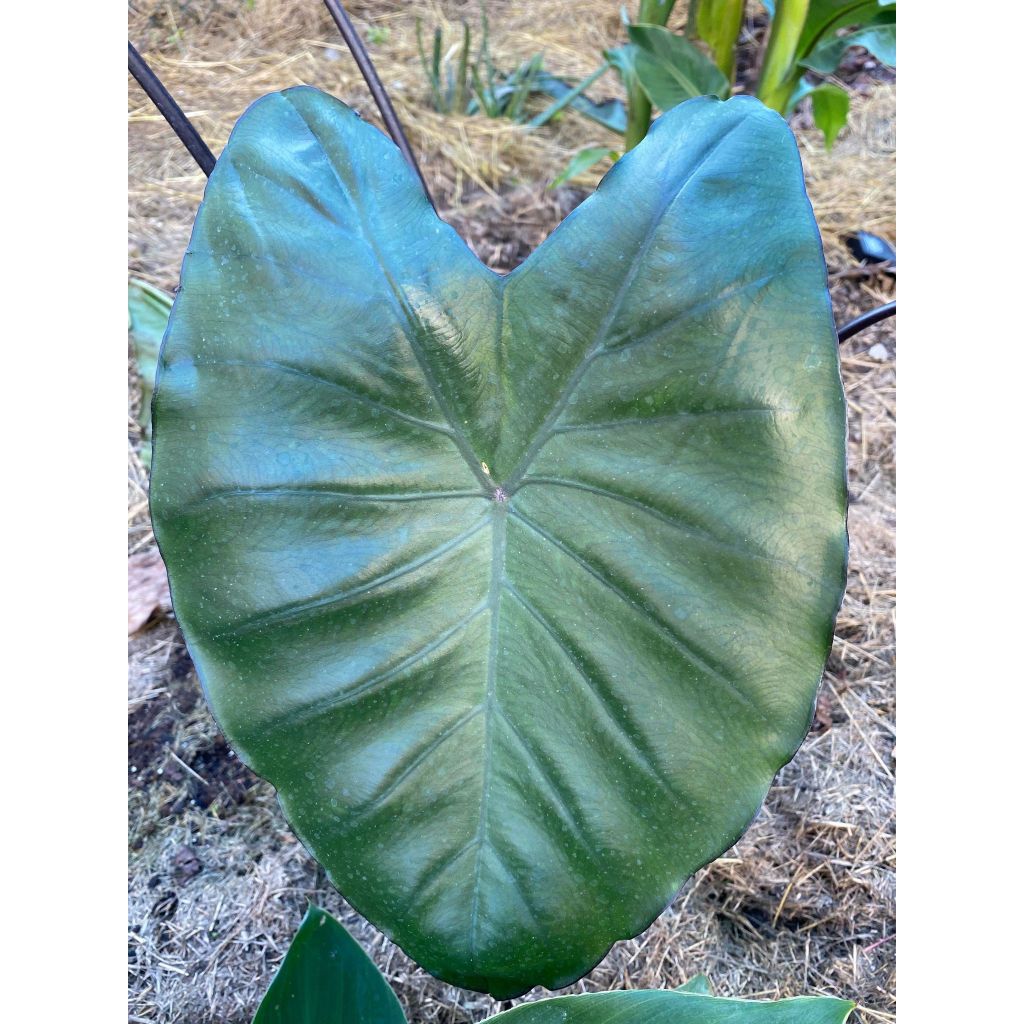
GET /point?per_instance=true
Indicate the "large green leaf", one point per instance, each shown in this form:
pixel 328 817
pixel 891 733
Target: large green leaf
pixel 671 69
pixel 517 588
pixel 326 978
pixel 655 1006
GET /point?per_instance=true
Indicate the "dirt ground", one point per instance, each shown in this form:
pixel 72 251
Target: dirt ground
pixel 805 902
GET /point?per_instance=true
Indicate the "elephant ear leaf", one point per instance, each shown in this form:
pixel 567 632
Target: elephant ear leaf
pixel 518 589
pixel 326 978
pixel 675 1007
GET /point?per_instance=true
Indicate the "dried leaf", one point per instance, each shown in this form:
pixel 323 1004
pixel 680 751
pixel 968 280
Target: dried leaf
pixel 148 593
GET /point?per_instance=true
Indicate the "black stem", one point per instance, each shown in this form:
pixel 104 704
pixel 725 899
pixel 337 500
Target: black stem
pixel 173 114
pixel 377 90
pixel 185 130
pixel 865 320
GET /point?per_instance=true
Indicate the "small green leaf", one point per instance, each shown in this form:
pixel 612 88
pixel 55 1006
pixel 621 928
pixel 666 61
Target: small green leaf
pixel 671 69
pixel 675 1007
pixel 326 978
pixel 148 310
pixel 830 105
pixel 583 161
pixel 699 983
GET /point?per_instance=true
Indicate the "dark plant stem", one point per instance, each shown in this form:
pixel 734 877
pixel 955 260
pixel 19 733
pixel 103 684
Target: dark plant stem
pixel 380 96
pixel 173 114
pixel 865 320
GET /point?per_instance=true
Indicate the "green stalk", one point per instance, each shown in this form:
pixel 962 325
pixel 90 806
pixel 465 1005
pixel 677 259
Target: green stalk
pixel 459 103
pixel 724 19
pixel 776 82
pixel 638 114
pixel 692 14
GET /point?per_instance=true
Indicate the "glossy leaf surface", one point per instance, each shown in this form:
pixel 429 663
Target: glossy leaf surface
pixel 518 589
pixel 326 978
pixel 675 1007
pixel 671 69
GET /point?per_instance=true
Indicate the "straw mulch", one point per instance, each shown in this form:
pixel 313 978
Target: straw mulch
pixel 805 901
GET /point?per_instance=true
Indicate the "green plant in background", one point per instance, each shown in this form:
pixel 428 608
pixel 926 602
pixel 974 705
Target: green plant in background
pixel 518 589
pixel 326 978
pixel 660 68
pixel 148 310
pixel 718 23
pixel 463 84
pixel 805 36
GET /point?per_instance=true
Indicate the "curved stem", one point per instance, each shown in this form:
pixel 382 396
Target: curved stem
pixel 173 114
pixel 865 320
pixel 377 90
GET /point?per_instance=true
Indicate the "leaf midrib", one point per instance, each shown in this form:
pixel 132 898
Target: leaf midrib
pixel 502 493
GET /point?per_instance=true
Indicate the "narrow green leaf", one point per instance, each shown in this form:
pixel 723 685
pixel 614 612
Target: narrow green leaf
pixel 326 978
pixel 675 1007
pixel 671 69
pixel 518 589
pixel 610 114
pixel 583 161
pixel 568 97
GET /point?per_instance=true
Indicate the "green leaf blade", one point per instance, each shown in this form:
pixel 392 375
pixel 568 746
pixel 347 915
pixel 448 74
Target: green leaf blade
pixel 326 978
pixel 583 161
pixel 671 69
pixel 517 589
pixel 676 1007
pixel 831 107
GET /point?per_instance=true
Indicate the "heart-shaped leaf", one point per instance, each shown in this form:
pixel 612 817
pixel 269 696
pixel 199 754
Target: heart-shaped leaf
pixel 518 589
